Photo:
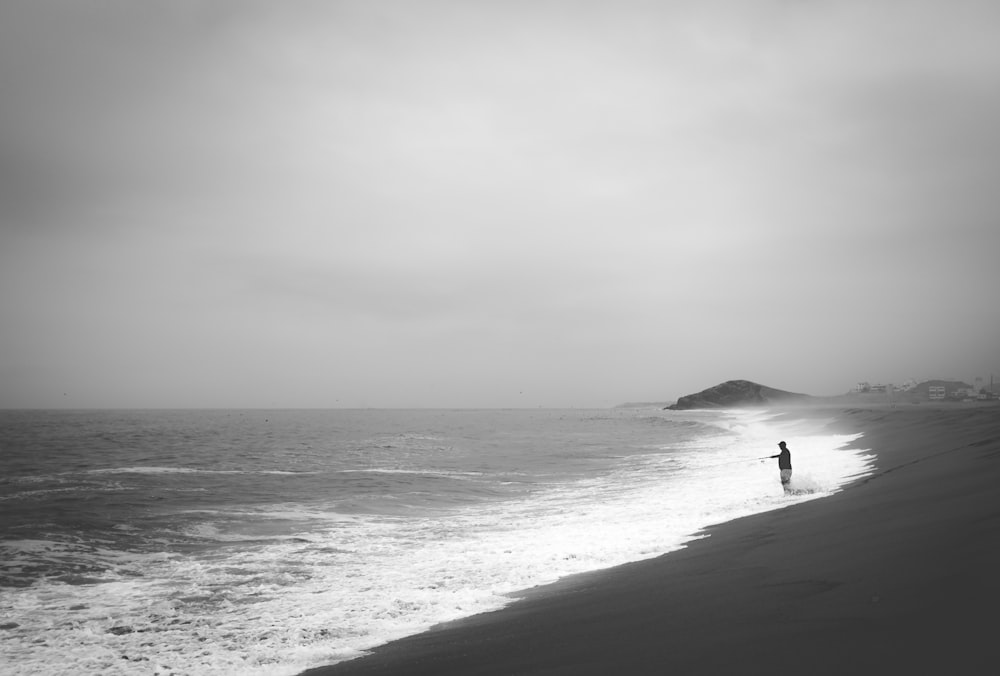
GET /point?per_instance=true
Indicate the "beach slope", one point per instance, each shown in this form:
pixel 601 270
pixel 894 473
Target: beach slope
pixel 899 571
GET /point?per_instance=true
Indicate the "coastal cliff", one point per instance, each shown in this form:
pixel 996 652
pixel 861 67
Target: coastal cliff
pixel 737 393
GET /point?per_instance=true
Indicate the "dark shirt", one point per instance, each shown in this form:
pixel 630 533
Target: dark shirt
pixel 784 459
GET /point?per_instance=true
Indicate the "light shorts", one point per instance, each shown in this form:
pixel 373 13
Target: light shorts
pixel 786 476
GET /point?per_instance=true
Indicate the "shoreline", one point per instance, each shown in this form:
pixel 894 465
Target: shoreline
pixel 895 570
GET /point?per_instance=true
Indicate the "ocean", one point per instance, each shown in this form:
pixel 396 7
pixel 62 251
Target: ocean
pixel 266 542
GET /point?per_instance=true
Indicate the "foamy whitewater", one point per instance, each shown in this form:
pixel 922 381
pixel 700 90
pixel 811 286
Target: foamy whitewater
pixel 267 542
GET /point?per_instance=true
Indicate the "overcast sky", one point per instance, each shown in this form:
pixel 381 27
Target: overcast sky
pixel 506 203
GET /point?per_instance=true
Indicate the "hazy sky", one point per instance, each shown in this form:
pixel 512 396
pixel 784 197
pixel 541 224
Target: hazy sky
pixel 506 203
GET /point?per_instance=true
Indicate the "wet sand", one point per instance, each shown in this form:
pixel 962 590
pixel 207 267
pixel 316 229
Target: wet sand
pixel 899 571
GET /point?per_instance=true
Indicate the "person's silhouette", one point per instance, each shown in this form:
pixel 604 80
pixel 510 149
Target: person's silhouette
pixel 784 464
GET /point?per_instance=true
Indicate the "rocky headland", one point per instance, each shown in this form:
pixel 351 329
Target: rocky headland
pixel 738 393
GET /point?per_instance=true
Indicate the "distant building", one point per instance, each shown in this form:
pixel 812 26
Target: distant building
pixel 936 392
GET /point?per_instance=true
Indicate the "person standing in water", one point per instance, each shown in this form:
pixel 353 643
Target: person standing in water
pixel 784 464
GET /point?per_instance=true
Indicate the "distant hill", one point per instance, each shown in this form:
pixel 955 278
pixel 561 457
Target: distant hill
pixel 737 393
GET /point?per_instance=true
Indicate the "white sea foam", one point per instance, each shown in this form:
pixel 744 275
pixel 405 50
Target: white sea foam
pixel 361 580
pixel 417 472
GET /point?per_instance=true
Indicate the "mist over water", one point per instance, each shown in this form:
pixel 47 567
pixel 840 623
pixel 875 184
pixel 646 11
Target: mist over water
pixel 270 541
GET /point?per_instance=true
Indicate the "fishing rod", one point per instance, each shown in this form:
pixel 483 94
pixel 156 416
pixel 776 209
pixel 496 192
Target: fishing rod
pixel 734 462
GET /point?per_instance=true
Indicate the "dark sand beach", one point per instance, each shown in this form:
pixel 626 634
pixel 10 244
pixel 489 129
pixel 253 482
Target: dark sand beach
pixel 897 573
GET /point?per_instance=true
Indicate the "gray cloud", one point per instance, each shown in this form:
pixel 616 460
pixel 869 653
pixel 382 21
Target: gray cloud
pixel 445 203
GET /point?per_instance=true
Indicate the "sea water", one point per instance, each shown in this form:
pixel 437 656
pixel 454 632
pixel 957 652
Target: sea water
pixel 266 542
